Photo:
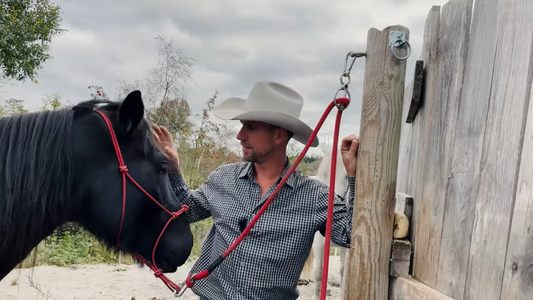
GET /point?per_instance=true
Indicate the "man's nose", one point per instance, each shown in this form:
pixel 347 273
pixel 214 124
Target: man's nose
pixel 240 135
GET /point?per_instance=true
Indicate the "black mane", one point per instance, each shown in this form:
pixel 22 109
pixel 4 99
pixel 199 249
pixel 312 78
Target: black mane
pixel 55 167
pixel 36 172
pixel 36 169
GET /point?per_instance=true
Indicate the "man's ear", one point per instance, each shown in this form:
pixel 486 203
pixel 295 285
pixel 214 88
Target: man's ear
pixel 281 136
pixel 131 110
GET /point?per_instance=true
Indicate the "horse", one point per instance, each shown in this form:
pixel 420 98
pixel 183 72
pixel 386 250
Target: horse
pixel 73 165
pixel 316 254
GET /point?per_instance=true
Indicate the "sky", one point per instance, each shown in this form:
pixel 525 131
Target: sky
pixel 301 44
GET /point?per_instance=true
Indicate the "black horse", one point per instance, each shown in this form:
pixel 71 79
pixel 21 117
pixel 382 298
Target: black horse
pixel 62 166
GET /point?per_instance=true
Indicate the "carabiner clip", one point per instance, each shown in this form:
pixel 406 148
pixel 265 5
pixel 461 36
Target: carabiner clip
pixel 183 287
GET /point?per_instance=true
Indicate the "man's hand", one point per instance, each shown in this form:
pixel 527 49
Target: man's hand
pixel 349 147
pixel 165 142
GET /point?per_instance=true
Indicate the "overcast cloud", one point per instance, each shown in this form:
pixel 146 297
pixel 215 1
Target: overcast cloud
pixel 299 43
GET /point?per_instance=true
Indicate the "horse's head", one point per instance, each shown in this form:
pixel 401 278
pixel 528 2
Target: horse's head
pixel 135 224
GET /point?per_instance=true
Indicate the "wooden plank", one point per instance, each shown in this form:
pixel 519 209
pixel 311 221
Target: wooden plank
pixel 404 204
pixel 410 179
pixel 453 45
pixel 466 149
pixel 411 133
pixel 424 268
pixel 506 118
pixel 518 276
pixel 377 166
pixel 406 144
pixel 400 258
pixel 411 289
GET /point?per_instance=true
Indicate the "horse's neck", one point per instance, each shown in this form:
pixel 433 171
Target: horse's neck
pixel 16 244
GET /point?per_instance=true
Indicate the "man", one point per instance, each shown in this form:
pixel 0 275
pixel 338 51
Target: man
pixel 268 262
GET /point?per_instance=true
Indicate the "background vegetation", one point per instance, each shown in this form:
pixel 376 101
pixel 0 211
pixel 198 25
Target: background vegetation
pixel 203 145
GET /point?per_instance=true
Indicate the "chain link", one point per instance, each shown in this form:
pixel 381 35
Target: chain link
pixel 345 76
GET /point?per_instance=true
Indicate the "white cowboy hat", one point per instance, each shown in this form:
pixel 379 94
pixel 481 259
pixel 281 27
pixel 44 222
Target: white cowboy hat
pixel 271 103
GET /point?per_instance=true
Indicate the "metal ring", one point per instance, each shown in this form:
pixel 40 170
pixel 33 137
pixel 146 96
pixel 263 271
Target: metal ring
pixel 401 44
pixel 345 75
pixel 346 95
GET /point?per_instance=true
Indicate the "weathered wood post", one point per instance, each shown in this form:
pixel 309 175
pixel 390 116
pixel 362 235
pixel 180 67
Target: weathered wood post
pixel 367 274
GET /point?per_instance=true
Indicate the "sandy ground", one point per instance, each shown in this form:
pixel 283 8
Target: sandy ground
pixel 112 282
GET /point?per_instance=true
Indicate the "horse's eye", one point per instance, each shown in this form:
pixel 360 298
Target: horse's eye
pixel 162 168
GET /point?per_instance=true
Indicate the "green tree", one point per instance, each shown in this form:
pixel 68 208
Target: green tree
pixel 12 107
pixel 164 89
pixel 26 31
pixel 54 102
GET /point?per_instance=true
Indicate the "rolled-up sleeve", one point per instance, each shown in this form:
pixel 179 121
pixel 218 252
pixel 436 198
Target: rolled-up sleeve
pixel 196 199
pixel 342 214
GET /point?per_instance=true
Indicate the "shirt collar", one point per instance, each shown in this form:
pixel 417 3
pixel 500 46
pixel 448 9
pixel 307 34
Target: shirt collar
pixel 248 170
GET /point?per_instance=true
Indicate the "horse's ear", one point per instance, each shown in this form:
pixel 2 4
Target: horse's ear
pixel 132 110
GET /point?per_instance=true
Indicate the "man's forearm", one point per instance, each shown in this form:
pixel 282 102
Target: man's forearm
pixel 195 199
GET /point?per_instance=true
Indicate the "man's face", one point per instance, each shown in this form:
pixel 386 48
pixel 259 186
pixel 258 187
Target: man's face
pixel 258 140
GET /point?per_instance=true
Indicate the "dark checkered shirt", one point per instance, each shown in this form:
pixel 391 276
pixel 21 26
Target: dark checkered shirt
pixel 268 262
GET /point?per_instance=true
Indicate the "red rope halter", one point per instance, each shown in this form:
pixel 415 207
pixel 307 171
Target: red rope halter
pixel 178 290
pixel 173 215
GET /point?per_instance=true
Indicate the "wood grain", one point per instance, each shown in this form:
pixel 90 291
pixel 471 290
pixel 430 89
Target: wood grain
pixel 502 144
pixel 409 289
pixel 518 276
pixel 466 150
pixel 406 144
pixel 453 46
pixel 377 163
pixel 400 258
pixel 423 268
pixel 412 142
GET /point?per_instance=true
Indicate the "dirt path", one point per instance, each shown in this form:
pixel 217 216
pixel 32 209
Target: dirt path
pixel 107 282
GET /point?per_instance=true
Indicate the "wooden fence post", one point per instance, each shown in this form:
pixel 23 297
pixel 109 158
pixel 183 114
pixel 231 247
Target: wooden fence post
pixel 367 274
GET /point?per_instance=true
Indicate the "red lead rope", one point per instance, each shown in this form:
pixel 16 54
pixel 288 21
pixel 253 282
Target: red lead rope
pixel 173 215
pixel 341 104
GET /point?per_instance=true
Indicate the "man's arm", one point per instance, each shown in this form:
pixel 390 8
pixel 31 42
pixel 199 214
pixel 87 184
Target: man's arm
pixel 341 228
pixel 196 199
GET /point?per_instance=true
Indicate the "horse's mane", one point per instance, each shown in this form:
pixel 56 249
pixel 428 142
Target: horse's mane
pixel 36 170
pixel 35 177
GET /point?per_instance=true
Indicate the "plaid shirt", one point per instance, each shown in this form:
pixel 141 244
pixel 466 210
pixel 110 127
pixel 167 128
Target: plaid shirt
pixel 268 262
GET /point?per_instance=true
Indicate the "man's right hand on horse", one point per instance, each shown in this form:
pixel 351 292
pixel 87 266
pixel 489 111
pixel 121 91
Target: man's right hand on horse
pixel 166 143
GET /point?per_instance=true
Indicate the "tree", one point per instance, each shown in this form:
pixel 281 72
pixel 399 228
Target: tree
pixel 54 102
pixel 12 107
pixel 26 31
pixel 99 93
pixel 164 89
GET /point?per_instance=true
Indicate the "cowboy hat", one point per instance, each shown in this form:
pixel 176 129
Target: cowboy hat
pixel 271 103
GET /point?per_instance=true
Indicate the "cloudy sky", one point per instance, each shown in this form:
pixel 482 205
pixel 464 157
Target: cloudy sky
pixel 299 43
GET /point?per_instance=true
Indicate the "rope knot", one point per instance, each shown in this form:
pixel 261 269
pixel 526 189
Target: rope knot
pixel 123 169
pixel 158 273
